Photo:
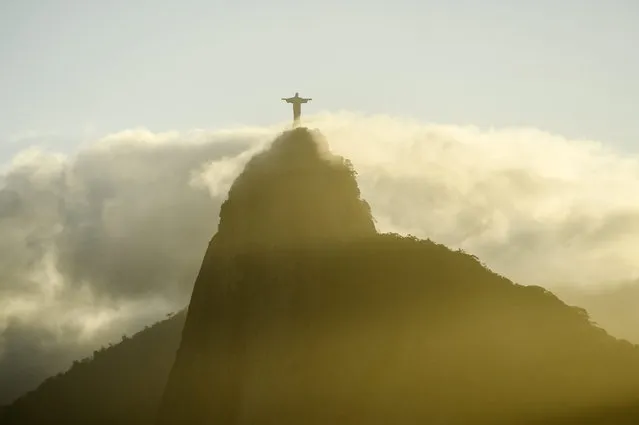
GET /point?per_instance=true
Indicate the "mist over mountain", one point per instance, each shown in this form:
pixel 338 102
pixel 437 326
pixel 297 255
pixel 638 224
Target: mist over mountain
pixel 145 204
pixel 303 312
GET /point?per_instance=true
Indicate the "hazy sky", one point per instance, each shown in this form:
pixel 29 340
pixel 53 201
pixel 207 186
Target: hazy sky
pixel 76 69
pixel 79 232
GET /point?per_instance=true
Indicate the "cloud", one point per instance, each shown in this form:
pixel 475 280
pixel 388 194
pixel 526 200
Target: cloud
pixel 111 236
pixel 534 206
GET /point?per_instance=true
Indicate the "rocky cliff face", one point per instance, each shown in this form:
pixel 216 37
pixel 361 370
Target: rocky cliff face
pixel 291 201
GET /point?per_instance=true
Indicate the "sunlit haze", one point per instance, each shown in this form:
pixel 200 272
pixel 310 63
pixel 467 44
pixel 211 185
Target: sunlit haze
pixel 505 129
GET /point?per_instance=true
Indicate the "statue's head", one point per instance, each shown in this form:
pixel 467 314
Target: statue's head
pixel 296 94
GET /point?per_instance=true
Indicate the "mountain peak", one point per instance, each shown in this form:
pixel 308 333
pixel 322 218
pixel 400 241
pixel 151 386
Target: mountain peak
pixel 296 192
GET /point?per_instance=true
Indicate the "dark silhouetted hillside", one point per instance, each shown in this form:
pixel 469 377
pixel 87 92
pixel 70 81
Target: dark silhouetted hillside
pixel 303 314
pixel 121 384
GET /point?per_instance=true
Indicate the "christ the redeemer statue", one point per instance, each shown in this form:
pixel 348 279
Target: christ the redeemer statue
pixel 297 106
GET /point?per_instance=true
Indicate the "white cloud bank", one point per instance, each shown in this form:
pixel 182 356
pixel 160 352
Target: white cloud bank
pixel 94 243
